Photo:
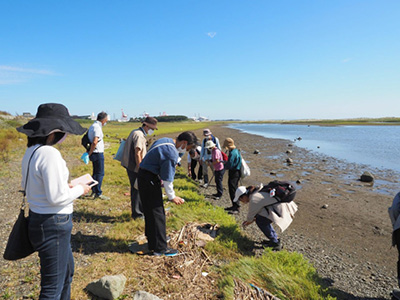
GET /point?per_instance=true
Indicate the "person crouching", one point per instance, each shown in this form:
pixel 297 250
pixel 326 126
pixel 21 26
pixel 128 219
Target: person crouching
pixel 265 210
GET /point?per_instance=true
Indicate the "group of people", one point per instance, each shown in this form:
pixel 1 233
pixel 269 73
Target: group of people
pixel 210 155
pixel 45 179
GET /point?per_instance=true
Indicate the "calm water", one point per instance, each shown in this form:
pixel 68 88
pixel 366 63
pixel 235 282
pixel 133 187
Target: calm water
pixel 377 146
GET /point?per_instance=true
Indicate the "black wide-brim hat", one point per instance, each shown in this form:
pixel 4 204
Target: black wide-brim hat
pixel 51 117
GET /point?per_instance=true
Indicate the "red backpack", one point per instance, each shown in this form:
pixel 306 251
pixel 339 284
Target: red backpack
pixel 224 156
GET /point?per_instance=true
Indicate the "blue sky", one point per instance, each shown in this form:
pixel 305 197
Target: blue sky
pixel 251 60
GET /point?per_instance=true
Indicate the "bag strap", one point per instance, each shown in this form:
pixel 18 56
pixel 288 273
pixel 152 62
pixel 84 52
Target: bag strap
pixel 162 144
pixel 26 180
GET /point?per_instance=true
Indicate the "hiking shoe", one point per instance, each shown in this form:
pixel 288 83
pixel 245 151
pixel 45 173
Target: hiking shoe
pixel 274 246
pixel 233 212
pixel 168 252
pixel 102 197
pixel 229 208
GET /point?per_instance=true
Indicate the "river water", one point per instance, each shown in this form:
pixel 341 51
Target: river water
pixel 376 146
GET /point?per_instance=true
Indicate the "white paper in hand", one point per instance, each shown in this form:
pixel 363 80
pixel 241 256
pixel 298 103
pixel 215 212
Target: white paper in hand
pixel 84 179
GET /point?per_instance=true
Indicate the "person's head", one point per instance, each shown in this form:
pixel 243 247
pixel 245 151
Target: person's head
pixel 207 132
pixel 192 153
pixel 102 117
pixel 51 125
pixel 210 145
pixel 186 141
pixel 241 195
pixel 229 144
pixel 149 125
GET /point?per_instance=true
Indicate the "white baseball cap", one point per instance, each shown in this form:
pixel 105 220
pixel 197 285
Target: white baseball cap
pixel 239 192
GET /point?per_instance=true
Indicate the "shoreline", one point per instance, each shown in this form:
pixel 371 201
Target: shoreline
pixel 341 240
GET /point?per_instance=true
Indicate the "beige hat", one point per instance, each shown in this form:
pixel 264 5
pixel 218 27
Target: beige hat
pixel 229 144
pixel 210 145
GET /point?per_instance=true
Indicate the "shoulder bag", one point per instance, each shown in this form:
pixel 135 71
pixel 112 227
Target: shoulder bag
pixel 18 244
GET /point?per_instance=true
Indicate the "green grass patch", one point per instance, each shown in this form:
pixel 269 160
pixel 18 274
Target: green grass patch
pixel 284 274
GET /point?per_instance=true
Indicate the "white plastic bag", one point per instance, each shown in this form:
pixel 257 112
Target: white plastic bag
pixel 120 151
pixel 244 168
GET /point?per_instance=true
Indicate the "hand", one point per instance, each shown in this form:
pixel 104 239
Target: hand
pixel 245 224
pixel 86 188
pixel 178 200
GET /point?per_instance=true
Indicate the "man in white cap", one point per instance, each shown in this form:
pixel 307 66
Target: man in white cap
pixel 205 154
pixel 134 151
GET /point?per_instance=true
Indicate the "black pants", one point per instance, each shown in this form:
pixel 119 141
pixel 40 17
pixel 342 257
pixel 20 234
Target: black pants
pixel 397 241
pixel 219 175
pixel 153 209
pixel 233 183
pixel 136 203
pixel 193 165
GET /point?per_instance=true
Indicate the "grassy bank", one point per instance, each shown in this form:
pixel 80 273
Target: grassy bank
pixel 103 231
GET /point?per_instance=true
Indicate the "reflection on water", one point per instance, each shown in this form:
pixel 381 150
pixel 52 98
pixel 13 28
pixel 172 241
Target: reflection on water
pixel 377 146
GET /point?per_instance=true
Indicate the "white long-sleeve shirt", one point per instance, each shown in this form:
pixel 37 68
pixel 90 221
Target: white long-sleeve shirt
pixel 48 191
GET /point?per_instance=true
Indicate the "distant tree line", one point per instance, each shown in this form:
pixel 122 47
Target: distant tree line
pixel 176 118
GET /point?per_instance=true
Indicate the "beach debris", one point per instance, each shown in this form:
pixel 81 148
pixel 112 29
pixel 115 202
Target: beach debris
pixel 290 145
pixel 142 295
pixel 251 291
pixel 107 287
pixel 289 161
pixel 325 206
pixel 272 173
pixel 256 151
pixel 367 177
pixel 289 151
pixel 299 138
pixel 318 147
pixel 298 181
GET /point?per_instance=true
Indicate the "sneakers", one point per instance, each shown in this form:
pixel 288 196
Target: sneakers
pixel 168 252
pixel 274 246
pixel 102 197
pixel 233 212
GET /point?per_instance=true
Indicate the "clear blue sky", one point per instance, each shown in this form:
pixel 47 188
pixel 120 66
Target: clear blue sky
pixel 249 60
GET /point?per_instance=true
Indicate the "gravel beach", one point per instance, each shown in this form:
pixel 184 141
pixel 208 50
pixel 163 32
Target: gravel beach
pixel 342 226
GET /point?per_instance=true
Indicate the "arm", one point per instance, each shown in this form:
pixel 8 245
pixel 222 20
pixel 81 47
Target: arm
pixel 138 158
pixel 93 145
pixel 169 190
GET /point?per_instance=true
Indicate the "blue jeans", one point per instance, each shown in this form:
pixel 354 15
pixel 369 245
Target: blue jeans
pixel 98 171
pixel 265 226
pixel 50 235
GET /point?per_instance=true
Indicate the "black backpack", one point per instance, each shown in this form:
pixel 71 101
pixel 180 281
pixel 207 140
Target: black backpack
pixel 86 142
pixel 282 191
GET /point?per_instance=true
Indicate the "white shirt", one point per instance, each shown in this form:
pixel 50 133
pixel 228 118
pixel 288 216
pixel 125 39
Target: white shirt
pixel 48 191
pixel 96 130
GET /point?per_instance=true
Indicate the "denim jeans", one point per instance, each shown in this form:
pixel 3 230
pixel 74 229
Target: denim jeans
pixel 50 235
pixel 265 226
pixel 98 171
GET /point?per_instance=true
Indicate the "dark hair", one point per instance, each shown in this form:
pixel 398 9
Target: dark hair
pixel 192 152
pixel 101 116
pixel 188 136
pixel 252 189
pixel 42 140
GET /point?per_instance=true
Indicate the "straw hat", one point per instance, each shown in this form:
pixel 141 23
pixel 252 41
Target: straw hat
pixel 229 144
pixel 51 117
